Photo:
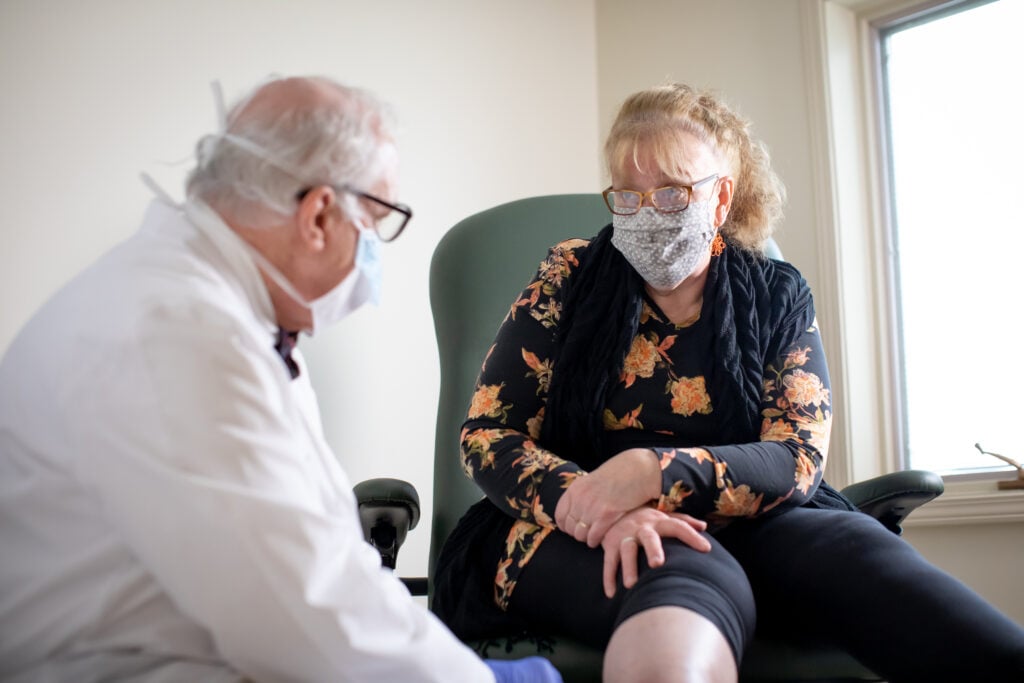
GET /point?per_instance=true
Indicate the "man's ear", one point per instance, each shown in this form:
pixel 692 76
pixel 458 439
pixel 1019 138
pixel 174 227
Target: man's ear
pixel 312 215
pixel 723 200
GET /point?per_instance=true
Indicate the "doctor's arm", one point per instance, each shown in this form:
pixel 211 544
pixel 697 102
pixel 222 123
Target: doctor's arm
pixel 224 489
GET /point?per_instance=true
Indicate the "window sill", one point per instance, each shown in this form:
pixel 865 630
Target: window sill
pixel 970 502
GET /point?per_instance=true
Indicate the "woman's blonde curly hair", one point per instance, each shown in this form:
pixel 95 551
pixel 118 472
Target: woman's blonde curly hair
pixel 656 117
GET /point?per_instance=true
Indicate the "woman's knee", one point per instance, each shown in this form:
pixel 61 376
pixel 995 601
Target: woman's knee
pixel 669 644
pixel 712 585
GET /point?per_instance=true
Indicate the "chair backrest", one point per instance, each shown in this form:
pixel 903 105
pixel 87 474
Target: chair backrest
pixel 477 270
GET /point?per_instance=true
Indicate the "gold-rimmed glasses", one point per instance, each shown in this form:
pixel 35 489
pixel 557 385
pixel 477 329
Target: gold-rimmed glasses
pixel 668 199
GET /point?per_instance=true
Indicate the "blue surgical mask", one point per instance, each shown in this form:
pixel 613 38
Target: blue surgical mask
pixel 360 286
pixel 368 264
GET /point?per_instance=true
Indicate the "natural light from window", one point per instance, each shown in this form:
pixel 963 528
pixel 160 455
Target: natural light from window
pixel 956 111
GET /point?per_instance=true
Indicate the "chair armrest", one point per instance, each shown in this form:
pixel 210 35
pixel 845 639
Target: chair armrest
pixel 891 497
pixel 388 509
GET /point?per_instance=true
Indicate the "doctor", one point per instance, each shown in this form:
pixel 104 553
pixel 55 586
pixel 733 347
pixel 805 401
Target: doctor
pixel 169 509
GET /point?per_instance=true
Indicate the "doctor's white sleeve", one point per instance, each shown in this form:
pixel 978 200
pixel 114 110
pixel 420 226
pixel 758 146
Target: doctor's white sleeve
pixel 229 497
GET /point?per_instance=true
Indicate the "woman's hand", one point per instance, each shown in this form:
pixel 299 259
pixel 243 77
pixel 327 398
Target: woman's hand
pixel 594 502
pixel 645 527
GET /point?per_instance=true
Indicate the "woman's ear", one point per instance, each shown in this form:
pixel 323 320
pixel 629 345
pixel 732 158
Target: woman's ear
pixel 312 217
pixel 723 200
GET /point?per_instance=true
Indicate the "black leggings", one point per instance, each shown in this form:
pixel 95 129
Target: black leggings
pixel 809 575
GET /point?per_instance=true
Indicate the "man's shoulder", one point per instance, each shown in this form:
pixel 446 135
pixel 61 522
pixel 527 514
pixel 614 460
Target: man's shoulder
pixel 147 280
pixel 141 287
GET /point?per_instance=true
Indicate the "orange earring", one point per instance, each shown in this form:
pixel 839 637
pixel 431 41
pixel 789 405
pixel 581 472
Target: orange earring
pixel 717 245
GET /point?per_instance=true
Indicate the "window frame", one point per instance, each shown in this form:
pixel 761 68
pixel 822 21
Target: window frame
pixel 918 15
pixel 857 308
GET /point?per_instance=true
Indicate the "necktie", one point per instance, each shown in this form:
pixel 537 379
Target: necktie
pixel 285 344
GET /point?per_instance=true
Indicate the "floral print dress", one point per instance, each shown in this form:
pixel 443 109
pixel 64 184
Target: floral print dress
pixel 661 402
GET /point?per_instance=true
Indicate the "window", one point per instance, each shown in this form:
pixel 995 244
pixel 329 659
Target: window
pixel 954 119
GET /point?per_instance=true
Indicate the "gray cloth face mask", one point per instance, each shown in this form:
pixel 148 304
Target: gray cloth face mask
pixel 664 248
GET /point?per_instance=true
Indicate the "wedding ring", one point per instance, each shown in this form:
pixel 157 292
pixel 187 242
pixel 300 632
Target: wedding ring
pixel 628 538
pixel 583 524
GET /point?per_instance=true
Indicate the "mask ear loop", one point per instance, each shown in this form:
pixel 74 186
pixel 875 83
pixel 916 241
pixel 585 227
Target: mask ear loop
pixel 222 123
pixel 261 261
pixel 278 277
pixel 160 192
pixel 347 205
pixel 243 142
pixel 218 103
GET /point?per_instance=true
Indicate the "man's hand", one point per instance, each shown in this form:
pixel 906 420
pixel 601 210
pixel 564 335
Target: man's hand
pixel 594 502
pixel 645 527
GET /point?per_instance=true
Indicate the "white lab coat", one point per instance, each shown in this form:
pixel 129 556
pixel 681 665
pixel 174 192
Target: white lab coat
pixel 169 509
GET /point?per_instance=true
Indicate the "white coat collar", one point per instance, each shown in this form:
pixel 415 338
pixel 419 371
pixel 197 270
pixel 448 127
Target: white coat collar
pixel 237 254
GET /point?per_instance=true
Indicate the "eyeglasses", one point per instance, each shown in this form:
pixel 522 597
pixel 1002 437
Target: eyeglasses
pixel 389 220
pixel 670 199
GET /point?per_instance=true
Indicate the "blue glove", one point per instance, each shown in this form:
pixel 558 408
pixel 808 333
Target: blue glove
pixel 529 670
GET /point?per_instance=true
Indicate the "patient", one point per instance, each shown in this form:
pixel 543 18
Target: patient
pixel 651 429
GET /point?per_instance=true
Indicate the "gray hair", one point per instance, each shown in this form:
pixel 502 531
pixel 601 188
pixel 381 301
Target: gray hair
pixel 255 169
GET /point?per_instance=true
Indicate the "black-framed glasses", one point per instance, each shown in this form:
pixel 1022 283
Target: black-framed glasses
pixel 669 199
pixel 389 220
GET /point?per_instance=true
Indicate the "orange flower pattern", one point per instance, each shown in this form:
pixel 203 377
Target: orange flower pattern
pixel 661 400
pixel 520 545
pixel 486 404
pixel 689 396
pixel 645 354
pixel 540 295
pixel 539 370
pixel 630 420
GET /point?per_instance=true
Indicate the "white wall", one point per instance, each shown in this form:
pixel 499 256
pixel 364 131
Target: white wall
pixel 497 101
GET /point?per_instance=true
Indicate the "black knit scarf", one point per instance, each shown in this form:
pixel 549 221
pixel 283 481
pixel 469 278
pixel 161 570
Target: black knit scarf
pixel 756 307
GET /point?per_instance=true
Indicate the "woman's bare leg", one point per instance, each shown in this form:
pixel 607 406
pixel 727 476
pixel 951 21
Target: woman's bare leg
pixel 668 644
